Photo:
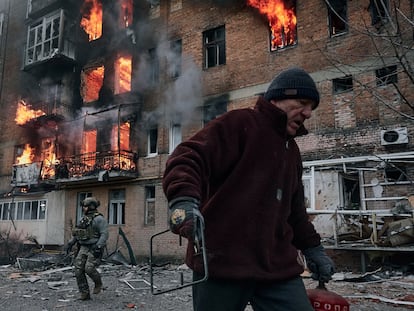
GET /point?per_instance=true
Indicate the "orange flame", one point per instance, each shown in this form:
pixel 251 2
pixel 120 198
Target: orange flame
pixel 282 21
pixel 92 80
pixel 124 68
pixel 91 20
pixel 25 114
pixel 27 155
pixel 124 130
pixel 126 13
pixel 89 146
pixel 49 158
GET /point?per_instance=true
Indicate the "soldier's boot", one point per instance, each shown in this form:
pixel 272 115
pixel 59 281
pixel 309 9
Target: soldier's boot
pixel 84 296
pixel 98 287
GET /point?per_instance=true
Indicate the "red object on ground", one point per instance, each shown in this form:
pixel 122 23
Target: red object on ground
pixel 324 300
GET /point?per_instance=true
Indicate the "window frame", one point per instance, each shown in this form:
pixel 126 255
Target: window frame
pixel 216 45
pixel 342 85
pixel 335 18
pixel 175 135
pixel 149 205
pixel 116 205
pixel 152 141
pixel 25 210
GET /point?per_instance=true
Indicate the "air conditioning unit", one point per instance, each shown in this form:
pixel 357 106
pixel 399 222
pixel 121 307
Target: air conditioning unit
pixel 395 136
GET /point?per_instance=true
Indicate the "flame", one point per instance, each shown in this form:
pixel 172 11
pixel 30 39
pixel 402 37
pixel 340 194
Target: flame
pixel 123 67
pixel 27 155
pixel 126 13
pixel 123 135
pixel 49 158
pixel 89 146
pixel 25 114
pixel 91 20
pixel 282 21
pixel 92 80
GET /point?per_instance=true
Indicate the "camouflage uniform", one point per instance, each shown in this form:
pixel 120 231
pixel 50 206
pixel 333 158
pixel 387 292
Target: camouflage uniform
pixel 91 235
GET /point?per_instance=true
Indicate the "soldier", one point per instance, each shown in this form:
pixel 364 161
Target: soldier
pixel 91 235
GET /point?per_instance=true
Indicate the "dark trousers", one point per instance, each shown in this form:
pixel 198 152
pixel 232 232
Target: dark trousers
pixel 232 295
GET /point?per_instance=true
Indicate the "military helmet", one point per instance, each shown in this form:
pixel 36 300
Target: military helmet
pixel 91 202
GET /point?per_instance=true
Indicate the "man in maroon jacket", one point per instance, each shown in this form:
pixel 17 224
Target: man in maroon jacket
pixel 242 173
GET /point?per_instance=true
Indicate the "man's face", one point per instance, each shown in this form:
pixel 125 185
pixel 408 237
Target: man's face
pixel 297 111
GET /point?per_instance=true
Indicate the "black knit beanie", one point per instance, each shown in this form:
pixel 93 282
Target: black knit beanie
pixel 293 83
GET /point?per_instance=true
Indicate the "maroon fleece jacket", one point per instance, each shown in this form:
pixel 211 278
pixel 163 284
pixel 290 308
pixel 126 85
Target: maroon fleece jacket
pixel 247 174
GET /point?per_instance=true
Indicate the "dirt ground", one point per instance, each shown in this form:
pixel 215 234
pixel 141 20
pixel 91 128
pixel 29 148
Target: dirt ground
pixel 128 287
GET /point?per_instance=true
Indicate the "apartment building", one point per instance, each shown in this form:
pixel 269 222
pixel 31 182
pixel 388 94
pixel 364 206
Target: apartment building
pixel 95 94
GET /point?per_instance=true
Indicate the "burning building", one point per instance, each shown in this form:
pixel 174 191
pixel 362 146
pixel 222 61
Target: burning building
pixel 107 89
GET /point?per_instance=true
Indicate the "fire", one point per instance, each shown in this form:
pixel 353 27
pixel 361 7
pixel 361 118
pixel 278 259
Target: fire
pixel 123 135
pixel 282 21
pixel 49 158
pixel 89 146
pixel 92 80
pixel 27 155
pixel 91 20
pixel 25 114
pixel 123 68
pixel 126 13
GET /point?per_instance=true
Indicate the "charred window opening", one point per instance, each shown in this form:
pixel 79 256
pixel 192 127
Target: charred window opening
pixel 91 21
pixel 125 18
pixel 116 207
pixel 394 173
pixel 342 85
pixel 123 71
pixel 214 47
pixel 379 12
pixel 52 95
pixel 149 217
pixel 153 141
pixel 175 59
pixel 91 83
pixel 337 17
pixel 88 148
pixel 350 191
pixel 386 75
pixel 213 110
pixel 281 15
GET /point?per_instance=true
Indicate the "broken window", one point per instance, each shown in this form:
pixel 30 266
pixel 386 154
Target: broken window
pixel 91 21
pixel 123 70
pixel 149 213
pixel 43 39
pixel 281 16
pixel 175 135
pixel 351 199
pixel 175 59
pixel 91 83
pixel 117 207
pixel 214 47
pixel 395 173
pixel 386 75
pixel 213 110
pixel 152 141
pixel 337 17
pixel 79 211
pixel 341 85
pixel 125 18
pixel 379 12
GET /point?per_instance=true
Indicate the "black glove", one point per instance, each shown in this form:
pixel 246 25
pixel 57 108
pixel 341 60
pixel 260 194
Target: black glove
pixel 97 251
pixel 183 214
pixel 69 246
pixel 320 264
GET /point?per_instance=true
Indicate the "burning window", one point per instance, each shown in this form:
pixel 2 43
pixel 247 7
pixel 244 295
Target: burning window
pixel 91 21
pixel 88 148
pixel 43 39
pixel 25 154
pixel 281 15
pixel 91 83
pixel 123 69
pixel 120 137
pixel 24 113
pixel 214 47
pixel 125 18
pixel 337 16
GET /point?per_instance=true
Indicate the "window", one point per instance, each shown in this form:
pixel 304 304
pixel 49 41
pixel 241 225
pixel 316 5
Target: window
pixel 212 111
pixel 81 196
pixel 117 207
pixel 149 217
pixel 349 183
pixel 379 12
pixel 386 75
pixel 152 141
pixel 23 210
pixel 154 67
pixel 123 70
pixel 342 85
pixel 43 39
pixel 1 22
pixel 337 17
pixel 175 59
pixel 91 83
pixel 214 47
pixel 175 135
pixel 125 18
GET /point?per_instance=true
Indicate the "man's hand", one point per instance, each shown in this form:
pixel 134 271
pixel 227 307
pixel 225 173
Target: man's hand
pixel 97 251
pixel 320 264
pixel 68 247
pixel 182 216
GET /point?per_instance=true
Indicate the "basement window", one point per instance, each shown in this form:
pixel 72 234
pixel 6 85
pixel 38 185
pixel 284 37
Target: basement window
pixel 337 17
pixel 123 70
pixel 386 75
pixel 91 83
pixel 214 47
pixel 149 213
pixel 116 207
pixel 152 141
pixel 342 85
